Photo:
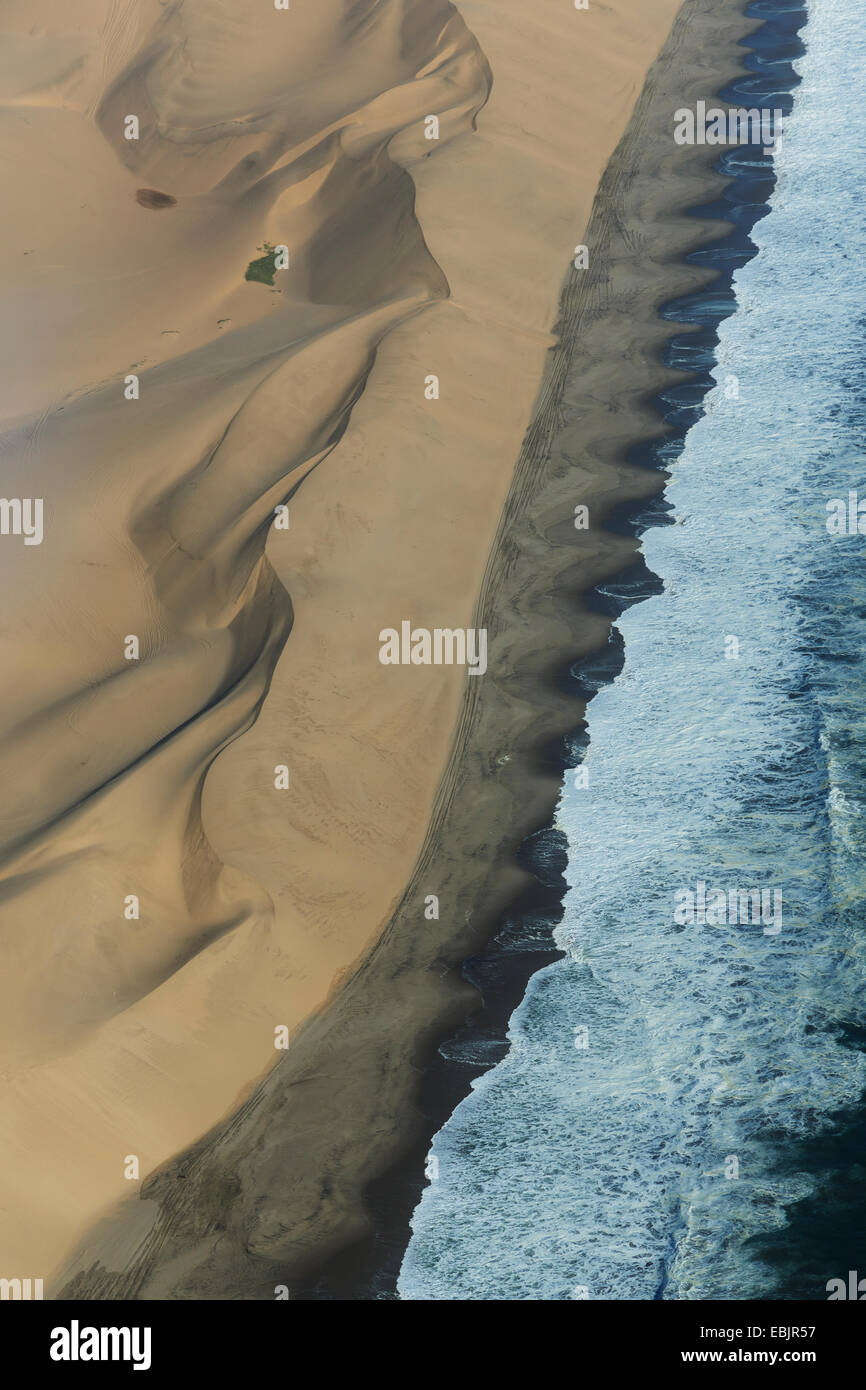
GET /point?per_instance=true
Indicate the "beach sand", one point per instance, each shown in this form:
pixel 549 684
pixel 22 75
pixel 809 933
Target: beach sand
pixel 145 1037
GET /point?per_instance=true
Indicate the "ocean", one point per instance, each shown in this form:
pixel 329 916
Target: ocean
pixel 679 1113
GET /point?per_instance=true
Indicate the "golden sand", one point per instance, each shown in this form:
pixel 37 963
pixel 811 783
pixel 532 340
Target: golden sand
pixel 163 405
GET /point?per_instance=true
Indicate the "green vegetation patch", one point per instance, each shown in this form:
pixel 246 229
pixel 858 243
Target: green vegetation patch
pixel 263 269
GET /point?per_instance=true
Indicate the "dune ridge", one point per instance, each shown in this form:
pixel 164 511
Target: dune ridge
pixel 126 1035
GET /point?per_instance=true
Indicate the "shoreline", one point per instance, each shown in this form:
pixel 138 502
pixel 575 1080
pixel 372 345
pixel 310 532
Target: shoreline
pixel 356 1067
pixel 546 851
pixel 502 970
pixel 370 1269
pixel 259 778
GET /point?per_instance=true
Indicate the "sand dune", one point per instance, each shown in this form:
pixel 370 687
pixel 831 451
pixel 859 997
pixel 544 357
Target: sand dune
pixel 125 258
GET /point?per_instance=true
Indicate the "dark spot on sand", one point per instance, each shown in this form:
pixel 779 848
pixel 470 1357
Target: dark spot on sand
pixel 152 198
pixel 264 269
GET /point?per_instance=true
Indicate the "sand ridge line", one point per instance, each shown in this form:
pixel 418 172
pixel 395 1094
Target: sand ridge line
pixel 144 996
